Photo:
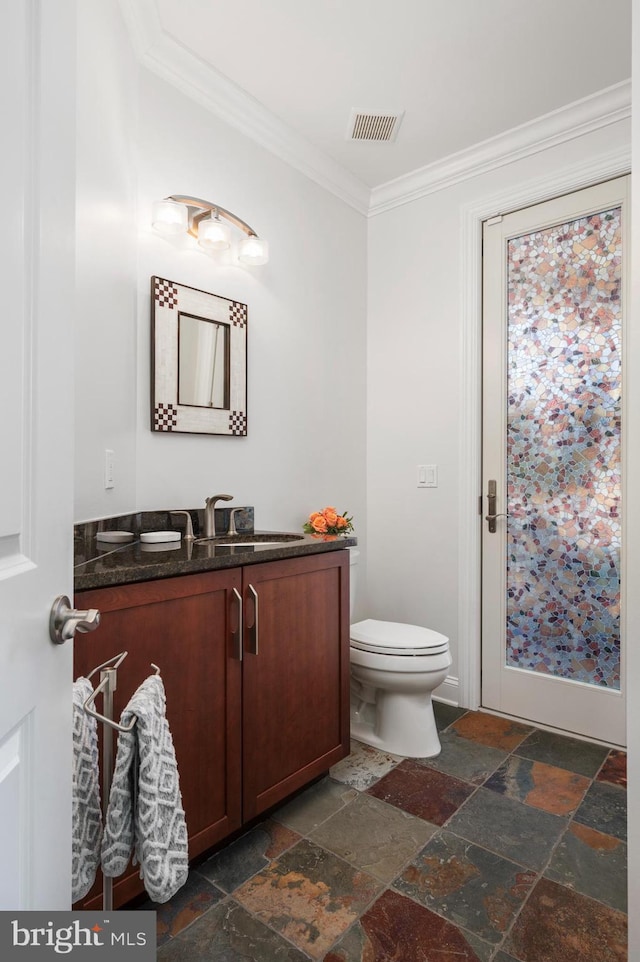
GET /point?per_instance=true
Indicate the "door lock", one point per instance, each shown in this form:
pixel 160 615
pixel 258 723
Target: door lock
pixel 492 498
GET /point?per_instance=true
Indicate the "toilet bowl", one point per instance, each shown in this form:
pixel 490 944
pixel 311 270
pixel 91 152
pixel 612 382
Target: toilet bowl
pixel 395 667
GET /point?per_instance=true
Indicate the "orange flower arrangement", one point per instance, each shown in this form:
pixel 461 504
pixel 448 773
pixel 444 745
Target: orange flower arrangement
pixel 328 523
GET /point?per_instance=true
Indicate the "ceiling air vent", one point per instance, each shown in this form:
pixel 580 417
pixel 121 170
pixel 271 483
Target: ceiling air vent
pixel 366 125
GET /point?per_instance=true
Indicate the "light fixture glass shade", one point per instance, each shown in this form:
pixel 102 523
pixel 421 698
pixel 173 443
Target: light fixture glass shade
pixel 253 251
pixel 169 217
pixel 213 234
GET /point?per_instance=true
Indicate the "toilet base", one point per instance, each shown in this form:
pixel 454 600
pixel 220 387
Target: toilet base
pixel 399 723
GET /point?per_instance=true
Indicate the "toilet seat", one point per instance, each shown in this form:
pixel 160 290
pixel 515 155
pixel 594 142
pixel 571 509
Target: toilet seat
pixel 396 638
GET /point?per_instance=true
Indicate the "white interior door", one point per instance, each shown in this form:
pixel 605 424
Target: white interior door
pixel 37 44
pixel 552 627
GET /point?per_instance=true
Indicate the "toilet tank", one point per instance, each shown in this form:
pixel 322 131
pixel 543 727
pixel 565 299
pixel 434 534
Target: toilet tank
pixel 354 554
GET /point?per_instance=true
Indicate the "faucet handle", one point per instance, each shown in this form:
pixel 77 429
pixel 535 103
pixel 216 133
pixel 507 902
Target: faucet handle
pixel 189 536
pixel 232 521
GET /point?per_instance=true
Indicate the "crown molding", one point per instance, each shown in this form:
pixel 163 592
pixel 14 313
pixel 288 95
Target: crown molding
pixel 608 106
pixel 156 50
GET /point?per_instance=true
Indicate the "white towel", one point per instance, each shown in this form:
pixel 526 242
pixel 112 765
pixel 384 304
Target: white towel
pixel 145 810
pixel 87 816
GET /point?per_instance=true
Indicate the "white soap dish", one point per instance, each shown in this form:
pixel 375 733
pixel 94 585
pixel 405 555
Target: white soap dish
pixel 161 546
pixel 155 537
pixel 115 537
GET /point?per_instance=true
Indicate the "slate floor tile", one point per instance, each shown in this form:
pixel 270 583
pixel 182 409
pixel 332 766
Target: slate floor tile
pixel 309 809
pixel 451 892
pixel 557 924
pixel 584 758
pixel 397 929
pixel 364 766
pixel 229 933
pixel 517 832
pixel 445 714
pixel 422 791
pixel 373 836
pixel 468 885
pixel 491 730
pixel 308 895
pixel 552 789
pixel 614 769
pixel 593 864
pixel 466 759
pixel 195 898
pixel 605 808
pixel 484 950
pixel 238 861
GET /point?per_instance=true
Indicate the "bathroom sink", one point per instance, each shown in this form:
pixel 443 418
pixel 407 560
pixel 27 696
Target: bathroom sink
pixel 266 539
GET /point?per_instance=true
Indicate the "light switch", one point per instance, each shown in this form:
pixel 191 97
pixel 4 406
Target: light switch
pixel 109 481
pixel 427 475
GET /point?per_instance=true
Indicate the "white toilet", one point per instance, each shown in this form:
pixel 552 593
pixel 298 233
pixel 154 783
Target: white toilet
pixel 394 670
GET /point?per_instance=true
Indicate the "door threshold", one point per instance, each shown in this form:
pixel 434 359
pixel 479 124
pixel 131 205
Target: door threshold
pixel 550 728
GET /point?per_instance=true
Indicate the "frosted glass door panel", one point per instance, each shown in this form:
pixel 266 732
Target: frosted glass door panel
pixel 553 495
pixel 563 450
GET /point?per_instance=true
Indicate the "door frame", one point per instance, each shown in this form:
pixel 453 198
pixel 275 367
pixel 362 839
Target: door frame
pixel 473 215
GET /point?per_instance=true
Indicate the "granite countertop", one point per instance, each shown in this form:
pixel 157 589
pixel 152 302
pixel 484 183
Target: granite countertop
pixel 104 565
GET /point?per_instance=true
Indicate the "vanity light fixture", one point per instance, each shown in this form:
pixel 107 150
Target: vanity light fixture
pixel 206 222
pixel 214 234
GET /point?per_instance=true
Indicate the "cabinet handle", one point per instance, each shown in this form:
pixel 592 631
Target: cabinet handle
pixel 253 629
pixel 236 635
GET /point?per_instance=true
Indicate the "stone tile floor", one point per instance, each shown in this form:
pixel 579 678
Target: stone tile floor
pixel 510 846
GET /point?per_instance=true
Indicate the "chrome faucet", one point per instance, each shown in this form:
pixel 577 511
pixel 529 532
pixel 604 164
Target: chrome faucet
pixel 209 513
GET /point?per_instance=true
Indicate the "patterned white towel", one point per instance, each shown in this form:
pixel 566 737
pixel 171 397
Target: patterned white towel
pixel 145 810
pixel 87 816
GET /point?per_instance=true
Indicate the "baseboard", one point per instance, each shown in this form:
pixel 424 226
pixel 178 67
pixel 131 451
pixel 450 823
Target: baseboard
pixel 448 692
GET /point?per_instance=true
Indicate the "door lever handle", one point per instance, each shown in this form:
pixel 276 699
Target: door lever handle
pixel 492 497
pixel 491 518
pixel 64 620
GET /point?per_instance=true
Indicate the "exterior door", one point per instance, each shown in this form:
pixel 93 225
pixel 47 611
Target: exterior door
pixel 36 369
pixel 553 431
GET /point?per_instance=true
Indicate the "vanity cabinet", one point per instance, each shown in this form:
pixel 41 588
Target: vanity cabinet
pixel 295 712
pixel 257 692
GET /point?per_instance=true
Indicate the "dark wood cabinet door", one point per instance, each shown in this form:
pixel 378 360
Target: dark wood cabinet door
pixel 296 687
pixel 184 625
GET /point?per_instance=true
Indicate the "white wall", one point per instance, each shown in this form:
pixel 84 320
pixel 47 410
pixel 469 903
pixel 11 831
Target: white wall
pixel 415 368
pixel 105 335
pixel 306 333
pixel 306 336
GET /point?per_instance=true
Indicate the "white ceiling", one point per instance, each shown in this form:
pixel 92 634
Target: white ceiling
pixel 463 71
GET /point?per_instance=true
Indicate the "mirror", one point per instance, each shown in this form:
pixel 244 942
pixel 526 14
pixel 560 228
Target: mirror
pixel 203 362
pixel 198 361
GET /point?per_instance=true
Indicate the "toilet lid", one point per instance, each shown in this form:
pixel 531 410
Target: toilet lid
pixel 392 637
